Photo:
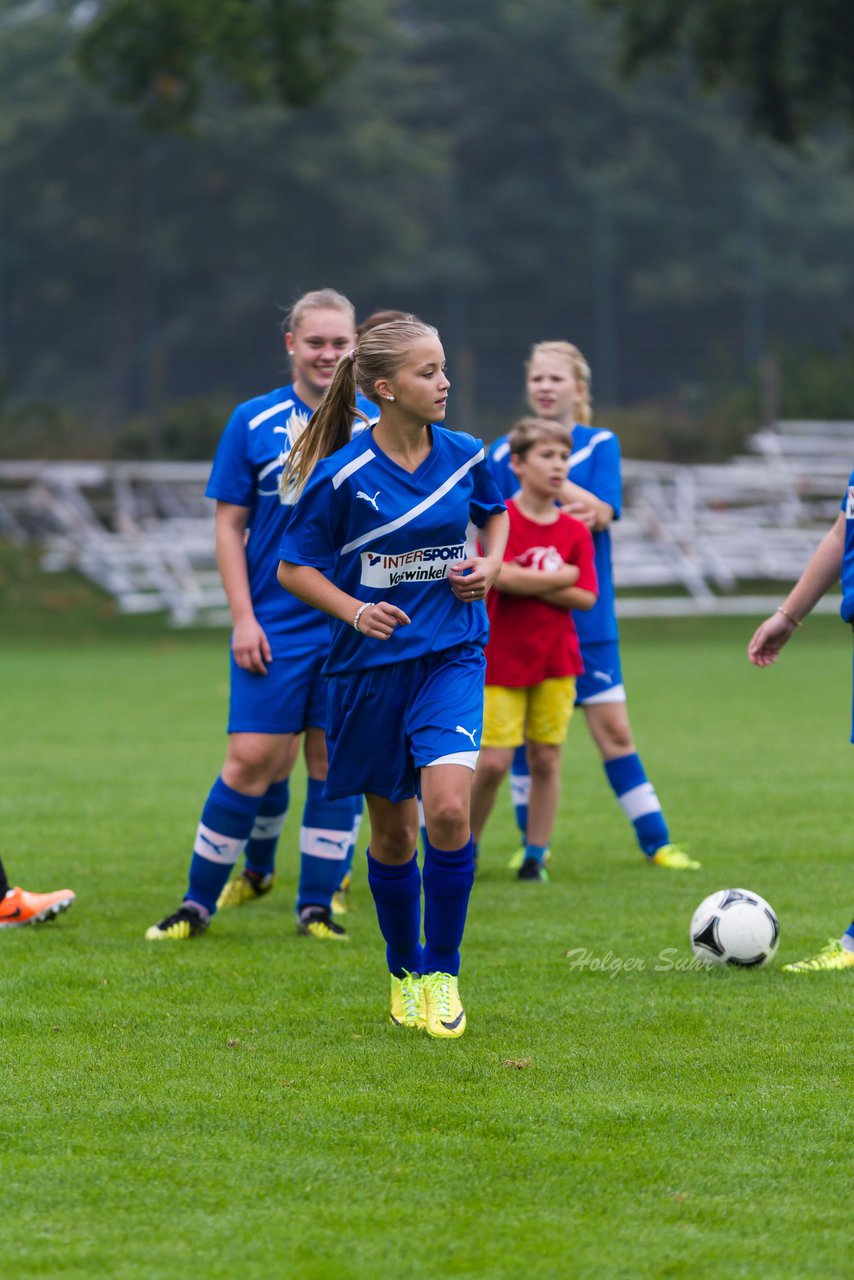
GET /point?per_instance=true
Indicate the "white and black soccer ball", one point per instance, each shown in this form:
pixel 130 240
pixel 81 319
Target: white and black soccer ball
pixel 735 926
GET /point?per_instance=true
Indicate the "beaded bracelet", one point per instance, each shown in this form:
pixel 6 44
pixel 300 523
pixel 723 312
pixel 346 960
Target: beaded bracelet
pixel 361 609
pixel 786 614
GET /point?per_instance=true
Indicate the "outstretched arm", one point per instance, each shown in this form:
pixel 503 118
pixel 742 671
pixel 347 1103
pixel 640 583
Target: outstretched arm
pixel 819 576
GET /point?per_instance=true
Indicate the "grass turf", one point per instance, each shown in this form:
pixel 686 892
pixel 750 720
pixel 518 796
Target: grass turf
pixel 238 1105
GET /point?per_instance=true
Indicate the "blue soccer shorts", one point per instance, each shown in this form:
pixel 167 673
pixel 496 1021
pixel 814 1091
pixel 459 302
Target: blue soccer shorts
pixel 603 676
pixel 387 723
pixel 290 698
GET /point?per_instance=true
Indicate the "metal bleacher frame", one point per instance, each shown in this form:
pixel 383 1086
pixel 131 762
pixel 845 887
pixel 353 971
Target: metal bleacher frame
pixel 691 540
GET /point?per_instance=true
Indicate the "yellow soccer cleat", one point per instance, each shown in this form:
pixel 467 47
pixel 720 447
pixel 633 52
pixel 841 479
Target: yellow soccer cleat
pixel 515 863
pixel 676 859
pixel 184 923
pixel 247 887
pixel 445 1015
pixel 19 907
pixel 317 922
pixel 408 1001
pixel 833 956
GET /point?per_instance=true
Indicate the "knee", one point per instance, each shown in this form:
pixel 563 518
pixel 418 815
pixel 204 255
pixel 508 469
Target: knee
pixel 248 766
pixel 395 842
pixel 490 768
pixel 543 759
pixel 449 821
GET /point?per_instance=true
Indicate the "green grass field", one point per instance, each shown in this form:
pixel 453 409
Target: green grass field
pixel 238 1106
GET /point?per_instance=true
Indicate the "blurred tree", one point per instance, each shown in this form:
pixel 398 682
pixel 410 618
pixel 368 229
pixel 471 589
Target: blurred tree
pixel 792 61
pixel 158 55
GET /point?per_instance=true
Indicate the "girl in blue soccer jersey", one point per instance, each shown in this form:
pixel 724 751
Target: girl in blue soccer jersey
pixel 558 389
pixel 833 556
pixel 378 540
pixel 278 646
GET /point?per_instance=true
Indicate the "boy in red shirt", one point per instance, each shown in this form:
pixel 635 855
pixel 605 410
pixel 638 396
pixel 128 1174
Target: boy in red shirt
pixel 533 654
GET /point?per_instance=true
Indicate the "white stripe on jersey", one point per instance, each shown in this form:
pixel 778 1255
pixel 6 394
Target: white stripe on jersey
pixel 354 465
pixel 583 454
pixel 269 413
pixel 415 511
pixel 501 450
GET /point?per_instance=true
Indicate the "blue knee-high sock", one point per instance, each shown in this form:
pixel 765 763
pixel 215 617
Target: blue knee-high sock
pixel 397 895
pixel 227 820
pixel 448 880
pixel 347 865
pixel 637 796
pixel 324 839
pixel 261 849
pixel 520 788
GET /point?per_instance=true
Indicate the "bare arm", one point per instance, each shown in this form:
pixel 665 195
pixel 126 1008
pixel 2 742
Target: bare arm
pixel 585 506
pixel 249 642
pixel 312 587
pixel 471 579
pixel 515 580
pixel 572 598
pixel 819 576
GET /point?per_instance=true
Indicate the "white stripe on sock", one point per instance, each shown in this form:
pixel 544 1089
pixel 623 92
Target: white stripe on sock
pixel 520 788
pixel 639 801
pixel 325 842
pixel 267 826
pixel 213 846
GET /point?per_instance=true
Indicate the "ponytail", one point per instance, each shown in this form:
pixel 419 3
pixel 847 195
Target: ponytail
pixel 329 428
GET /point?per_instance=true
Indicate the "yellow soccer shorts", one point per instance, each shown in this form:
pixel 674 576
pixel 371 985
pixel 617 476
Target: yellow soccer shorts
pixel 540 713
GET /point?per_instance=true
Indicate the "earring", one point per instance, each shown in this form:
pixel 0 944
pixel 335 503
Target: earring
pixel 389 397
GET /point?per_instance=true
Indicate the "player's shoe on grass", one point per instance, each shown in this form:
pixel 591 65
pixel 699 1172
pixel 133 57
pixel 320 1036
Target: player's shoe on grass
pixel 249 886
pixel 833 956
pixel 340 905
pixel 317 922
pixel 532 869
pixel 20 907
pixel 186 922
pixel 408 1001
pixel 518 858
pixel 445 1017
pixel 674 858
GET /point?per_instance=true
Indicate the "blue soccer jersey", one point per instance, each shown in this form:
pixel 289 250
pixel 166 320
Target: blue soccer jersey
pixel 847 609
pixel 380 532
pixel 246 472
pixel 594 465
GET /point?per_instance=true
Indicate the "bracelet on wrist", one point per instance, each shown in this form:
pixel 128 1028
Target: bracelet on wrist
pixel 790 616
pixel 361 609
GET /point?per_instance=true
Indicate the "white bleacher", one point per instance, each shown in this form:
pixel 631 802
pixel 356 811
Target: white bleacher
pixel 691 540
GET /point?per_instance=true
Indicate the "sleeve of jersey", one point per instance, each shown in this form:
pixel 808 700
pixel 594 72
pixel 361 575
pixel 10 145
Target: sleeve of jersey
pixel 486 499
pixel 310 536
pixel 607 481
pixel 584 555
pixel 498 461
pixel 232 477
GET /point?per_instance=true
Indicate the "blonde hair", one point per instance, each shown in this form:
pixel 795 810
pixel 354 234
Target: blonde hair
pixel 527 432
pixel 580 371
pixel 379 353
pixel 318 300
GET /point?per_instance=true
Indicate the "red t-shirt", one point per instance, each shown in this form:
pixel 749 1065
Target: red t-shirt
pixel 531 640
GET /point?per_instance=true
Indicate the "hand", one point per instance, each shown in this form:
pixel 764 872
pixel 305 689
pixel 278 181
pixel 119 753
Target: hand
pixel 768 640
pixel 250 646
pixel 581 511
pixel 471 579
pixel 379 620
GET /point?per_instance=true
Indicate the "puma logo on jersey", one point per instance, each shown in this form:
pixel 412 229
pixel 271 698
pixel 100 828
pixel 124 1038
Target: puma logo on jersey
pixel 469 734
pixel 373 500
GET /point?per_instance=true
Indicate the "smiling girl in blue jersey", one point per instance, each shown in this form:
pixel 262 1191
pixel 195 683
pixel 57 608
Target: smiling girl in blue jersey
pixel 558 389
pixel 378 540
pixel 277 651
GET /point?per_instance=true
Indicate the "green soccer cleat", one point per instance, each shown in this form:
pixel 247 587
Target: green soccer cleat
pixel 518 858
pixel 445 1017
pixel 833 956
pixel 408 1001
pixel 674 858
pixel 317 922
pixel 184 923
pixel 247 887
pixel 532 869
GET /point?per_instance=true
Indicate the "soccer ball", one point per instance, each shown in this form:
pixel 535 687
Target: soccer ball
pixel 734 926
